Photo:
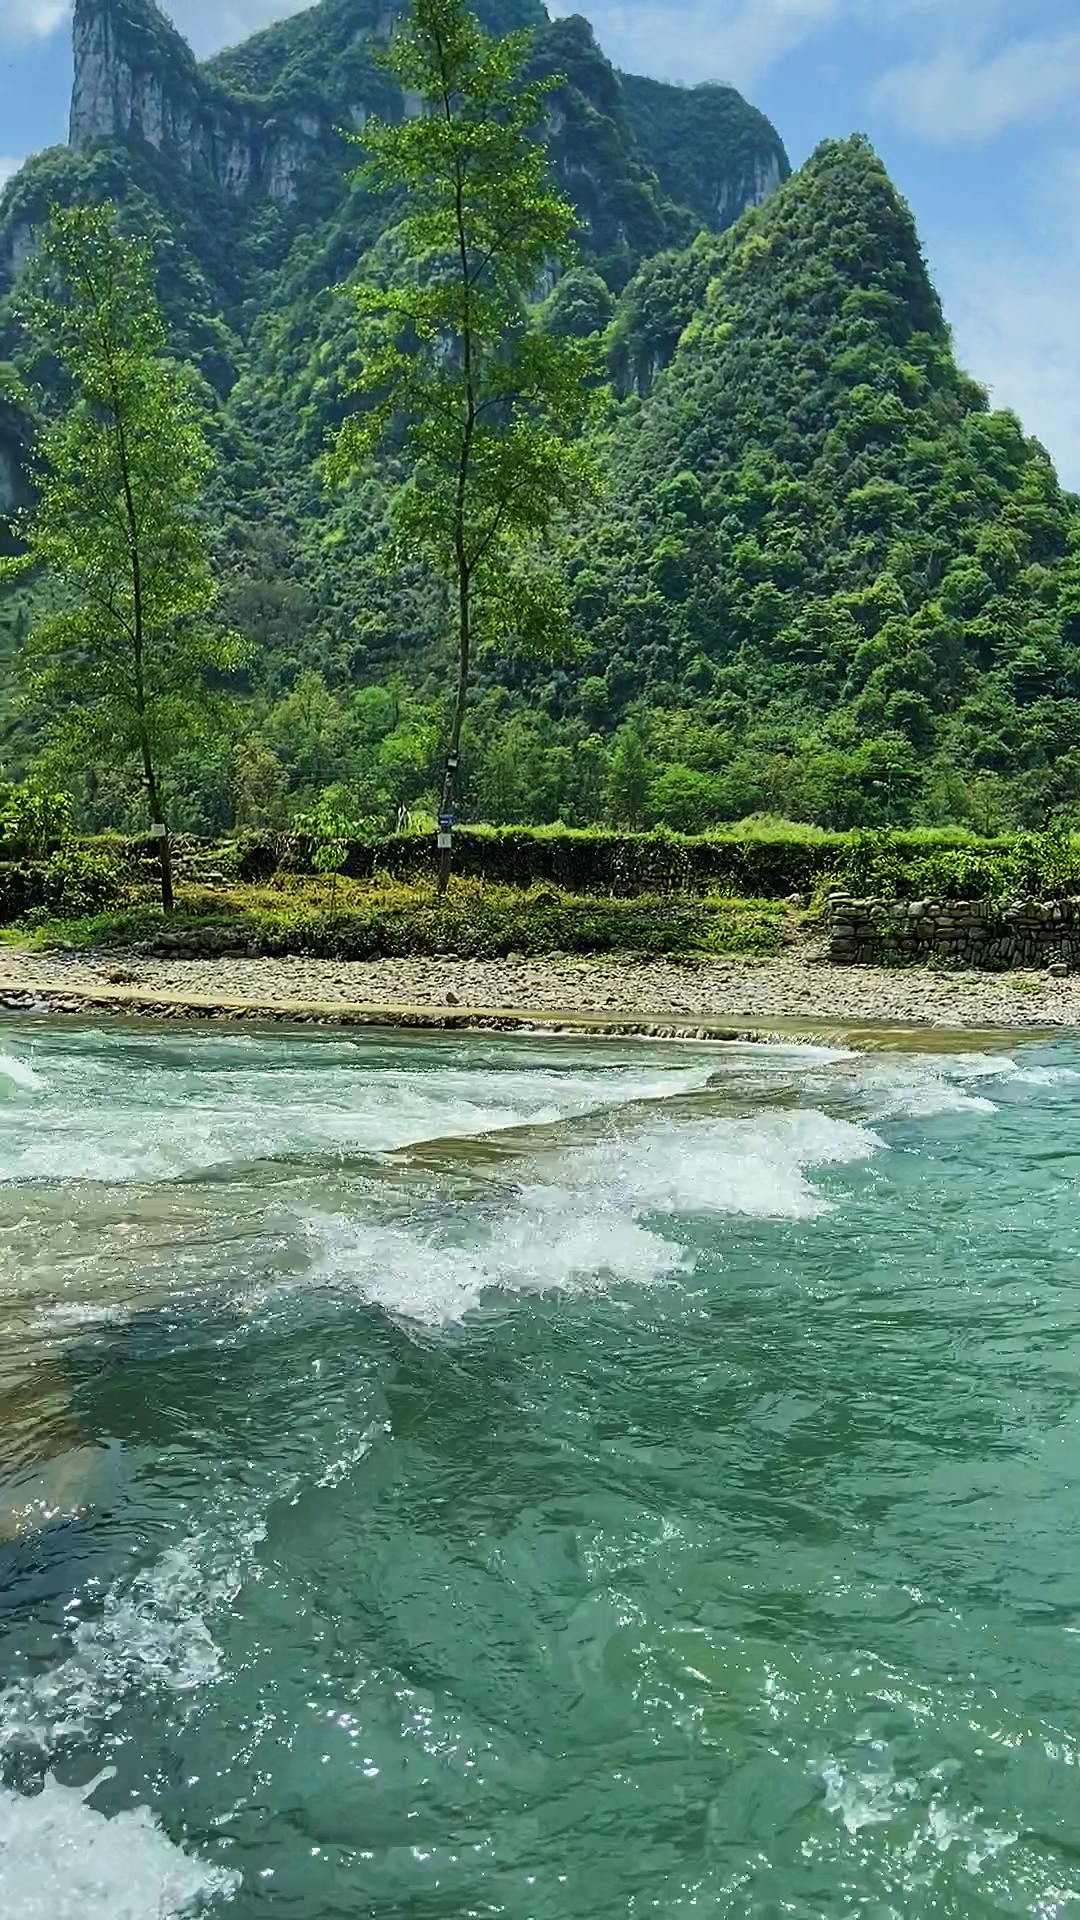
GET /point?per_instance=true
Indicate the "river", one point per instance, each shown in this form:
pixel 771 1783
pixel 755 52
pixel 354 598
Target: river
pixel 447 1478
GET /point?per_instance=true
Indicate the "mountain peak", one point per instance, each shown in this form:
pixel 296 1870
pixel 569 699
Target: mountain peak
pixel 138 83
pixel 711 150
pixel 122 49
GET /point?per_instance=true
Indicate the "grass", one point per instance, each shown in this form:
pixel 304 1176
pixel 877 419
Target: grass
pixel 353 920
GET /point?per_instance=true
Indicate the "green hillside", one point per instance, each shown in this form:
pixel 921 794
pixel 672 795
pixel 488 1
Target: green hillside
pixel 825 580
pixel 830 580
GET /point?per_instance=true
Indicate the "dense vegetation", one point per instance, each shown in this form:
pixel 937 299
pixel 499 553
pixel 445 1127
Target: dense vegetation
pixel 868 584
pixel 482 408
pixel 123 660
pixel 825 579
pixel 518 892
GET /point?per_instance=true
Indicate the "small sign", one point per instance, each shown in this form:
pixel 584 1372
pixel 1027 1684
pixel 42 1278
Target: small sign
pixel 446 822
pixel 446 841
pixel 158 830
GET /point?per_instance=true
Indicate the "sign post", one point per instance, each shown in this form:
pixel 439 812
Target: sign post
pixel 445 840
pixel 445 845
pixel 159 834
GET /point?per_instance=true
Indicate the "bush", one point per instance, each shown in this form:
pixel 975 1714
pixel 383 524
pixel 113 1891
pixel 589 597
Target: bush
pixel 471 922
pixel 890 866
pixel 77 882
pixel 21 890
pixel 33 819
pixel 72 883
pixel 621 865
pixel 761 859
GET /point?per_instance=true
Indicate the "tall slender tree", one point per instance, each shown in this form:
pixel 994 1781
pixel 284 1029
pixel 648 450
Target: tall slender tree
pixel 483 409
pixel 126 656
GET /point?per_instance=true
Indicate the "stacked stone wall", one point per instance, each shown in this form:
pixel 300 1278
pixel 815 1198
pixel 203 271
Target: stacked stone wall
pixel 966 933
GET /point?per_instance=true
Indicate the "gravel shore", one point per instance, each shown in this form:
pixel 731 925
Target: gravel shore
pixel 797 987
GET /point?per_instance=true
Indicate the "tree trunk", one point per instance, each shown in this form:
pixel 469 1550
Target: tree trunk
pixel 168 899
pixel 446 857
pixel 453 757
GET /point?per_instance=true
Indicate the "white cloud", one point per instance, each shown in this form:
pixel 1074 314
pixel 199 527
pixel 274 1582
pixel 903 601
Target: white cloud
pixel 31 19
pixel 739 40
pixel 207 24
pixel 736 40
pixel 959 96
pixel 8 166
pixel 1014 304
pixel 210 25
pixel 732 40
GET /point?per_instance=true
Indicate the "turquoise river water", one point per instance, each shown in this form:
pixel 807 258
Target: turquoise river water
pixel 450 1478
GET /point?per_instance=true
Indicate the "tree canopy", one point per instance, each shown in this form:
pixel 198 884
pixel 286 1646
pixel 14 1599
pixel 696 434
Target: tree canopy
pixel 484 408
pixel 122 658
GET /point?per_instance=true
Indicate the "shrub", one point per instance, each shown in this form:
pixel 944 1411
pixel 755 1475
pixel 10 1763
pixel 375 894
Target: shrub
pixel 471 922
pixel 73 882
pixel 890 866
pixel 621 865
pixel 33 819
pixel 20 890
pixel 77 882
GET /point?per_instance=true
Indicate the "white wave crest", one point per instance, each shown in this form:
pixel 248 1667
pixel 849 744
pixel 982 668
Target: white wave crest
pixel 152 1632
pixel 61 1860
pixel 171 1120
pixel 919 1086
pixel 870 1794
pixel 20 1074
pixel 599 1219
pixel 544 1246
pixel 1022 1072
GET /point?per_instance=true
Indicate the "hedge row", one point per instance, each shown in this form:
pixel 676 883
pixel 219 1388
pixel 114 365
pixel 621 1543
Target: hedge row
pixel 85 876
pixel 491 923
pixel 484 932
pixel 618 864
pixel 1027 866
pixel 622 865
pixel 69 884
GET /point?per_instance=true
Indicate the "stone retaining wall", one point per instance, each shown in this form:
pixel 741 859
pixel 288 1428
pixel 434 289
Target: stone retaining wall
pixel 986 934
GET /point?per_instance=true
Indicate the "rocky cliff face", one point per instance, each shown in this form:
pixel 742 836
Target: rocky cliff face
pixel 14 492
pixel 238 167
pixel 257 117
pixel 136 80
pixel 710 149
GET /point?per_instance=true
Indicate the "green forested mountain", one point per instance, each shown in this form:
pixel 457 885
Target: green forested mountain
pixel 825 579
pixel 836 582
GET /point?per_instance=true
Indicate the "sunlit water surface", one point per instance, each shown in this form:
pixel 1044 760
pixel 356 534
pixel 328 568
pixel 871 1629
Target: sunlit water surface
pixel 446 1479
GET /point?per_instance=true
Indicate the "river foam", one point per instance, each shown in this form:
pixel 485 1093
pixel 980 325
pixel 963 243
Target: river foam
pixel 20 1074
pixel 602 1214
pixel 778 1592
pixel 62 1860
pixel 335 1098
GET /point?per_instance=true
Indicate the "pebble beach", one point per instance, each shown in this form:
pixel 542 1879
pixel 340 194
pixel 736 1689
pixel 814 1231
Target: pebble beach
pixel 649 996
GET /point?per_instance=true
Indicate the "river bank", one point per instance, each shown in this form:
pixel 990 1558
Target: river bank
pixel 681 996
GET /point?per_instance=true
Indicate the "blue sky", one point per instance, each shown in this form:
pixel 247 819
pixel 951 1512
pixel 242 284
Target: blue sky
pixel 974 105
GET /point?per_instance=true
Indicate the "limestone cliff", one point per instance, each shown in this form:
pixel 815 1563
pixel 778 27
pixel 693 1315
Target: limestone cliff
pixel 255 118
pixel 237 170
pixel 13 486
pixel 137 80
pixel 710 149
